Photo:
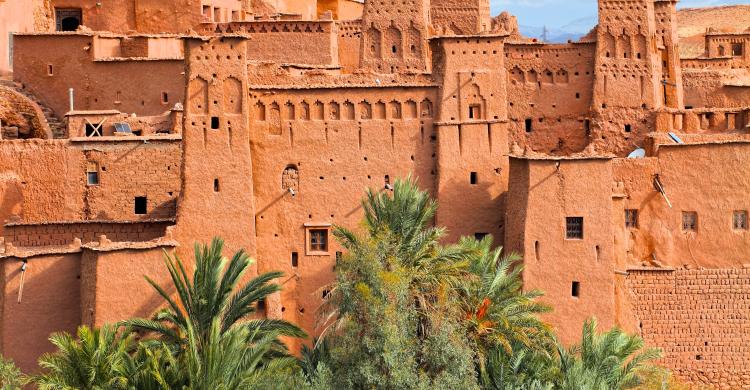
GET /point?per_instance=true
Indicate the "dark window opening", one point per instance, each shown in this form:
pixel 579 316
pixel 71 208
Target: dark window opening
pixel 92 178
pixel 689 221
pixel 319 240
pixel 631 218
pixel 295 259
pixel 92 131
pixel 587 127
pixel 215 122
pixel 737 49
pixel 326 294
pixel 574 228
pixel 575 289
pixel 628 128
pixel 216 185
pixel 475 112
pixel 394 49
pixel 164 97
pixel 67 19
pixel 262 306
pixel 473 178
pixel 141 205
pixel 578 95
pixel 739 220
pixel 49 70
pixel 529 125
pixel 480 236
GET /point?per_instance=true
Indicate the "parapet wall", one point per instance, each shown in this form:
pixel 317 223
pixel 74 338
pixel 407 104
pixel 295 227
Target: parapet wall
pixel 300 42
pixel 699 319
pixel 58 234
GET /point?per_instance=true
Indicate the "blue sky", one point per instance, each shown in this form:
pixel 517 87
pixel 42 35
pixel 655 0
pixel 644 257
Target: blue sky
pixel 558 13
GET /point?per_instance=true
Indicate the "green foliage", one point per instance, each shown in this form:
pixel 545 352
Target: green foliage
pixel 611 360
pixel 11 377
pixel 96 359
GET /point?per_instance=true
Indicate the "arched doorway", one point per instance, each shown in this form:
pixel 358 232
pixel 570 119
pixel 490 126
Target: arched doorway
pixel 67 19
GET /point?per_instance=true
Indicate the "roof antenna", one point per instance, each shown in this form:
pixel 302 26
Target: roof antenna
pixel 23 277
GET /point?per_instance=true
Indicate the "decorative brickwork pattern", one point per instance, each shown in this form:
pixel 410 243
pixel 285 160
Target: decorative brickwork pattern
pixel 700 319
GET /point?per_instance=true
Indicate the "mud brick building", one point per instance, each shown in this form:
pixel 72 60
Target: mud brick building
pixel 616 164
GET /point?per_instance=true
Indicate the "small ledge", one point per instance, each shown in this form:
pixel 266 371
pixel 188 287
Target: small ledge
pixel 129 138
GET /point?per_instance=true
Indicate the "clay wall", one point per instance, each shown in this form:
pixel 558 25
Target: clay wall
pixel 550 91
pixel 576 274
pixel 395 36
pixel 299 42
pixel 18 17
pixel 460 17
pixel 709 179
pixel 99 84
pixel 50 303
pixel 704 121
pixel 60 234
pixel 732 46
pixel 217 170
pixel 349 39
pixel 54 187
pixel 300 9
pixel 472 135
pixel 328 146
pixel 720 84
pixel 697 318
pixel 341 9
pixel 107 272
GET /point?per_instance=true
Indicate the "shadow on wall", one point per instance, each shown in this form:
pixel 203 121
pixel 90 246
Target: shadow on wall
pixel 467 209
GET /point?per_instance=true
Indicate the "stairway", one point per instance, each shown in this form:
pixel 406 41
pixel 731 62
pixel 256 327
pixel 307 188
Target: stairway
pixel 58 126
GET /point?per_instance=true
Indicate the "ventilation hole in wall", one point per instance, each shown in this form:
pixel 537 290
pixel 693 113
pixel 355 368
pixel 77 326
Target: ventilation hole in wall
pixel 301 310
pixel 575 289
pixel 412 158
pixel 369 177
pixel 164 98
pixel 214 122
pixel 295 259
pixel 325 294
pixel 698 357
pixel 598 252
pixel 322 178
pixel 261 305
pixel 706 343
pixel 49 70
pixel 628 128
pixel 604 105
pixel 578 95
pixel 170 193
pixel 216 185
pixel 529 125
pixel 536 250
pixel 365 158
pixel 309 216
pixel 473 179
pixel 283 309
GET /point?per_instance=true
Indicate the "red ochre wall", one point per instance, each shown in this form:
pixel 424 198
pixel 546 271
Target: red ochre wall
pixel 50 303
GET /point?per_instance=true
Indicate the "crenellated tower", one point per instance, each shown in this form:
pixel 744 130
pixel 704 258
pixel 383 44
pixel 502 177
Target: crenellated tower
pixel 637 68
pixel 217 175
pixel 395 36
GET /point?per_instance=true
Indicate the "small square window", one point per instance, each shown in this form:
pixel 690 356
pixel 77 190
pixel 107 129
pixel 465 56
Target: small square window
pixel 574 228
pixel 475 111
pixel 318 240
pixel 141 205
pixel 689 221
pixel 631 218
pixel 215 122
pixel 473 178
pixel 739 221
pixel 92 178
pixel 575 289
pixel 164 98
pixel 295 259
pixel 628 128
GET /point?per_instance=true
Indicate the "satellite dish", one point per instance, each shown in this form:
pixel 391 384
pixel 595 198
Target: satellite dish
pixel 638 153
pixel 675 138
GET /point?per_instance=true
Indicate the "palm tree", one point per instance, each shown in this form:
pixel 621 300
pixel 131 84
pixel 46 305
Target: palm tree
pixel 498 312
pixel 209 327
pixel 612 360
pixel 405 219
pixel 97 359
pixel 11 377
